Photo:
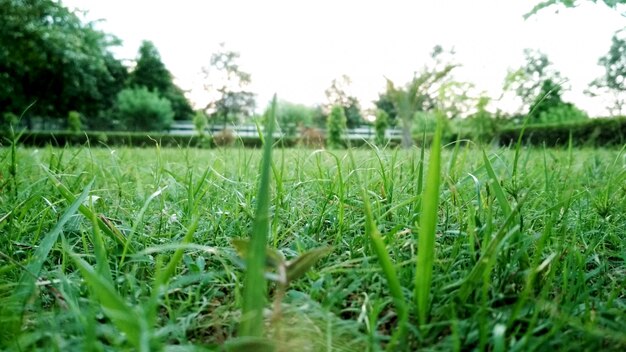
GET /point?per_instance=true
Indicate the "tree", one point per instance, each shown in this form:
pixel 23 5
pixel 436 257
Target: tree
pixel 614 79
pixel 338 95
pixel 49 57
pixel 527 81
pixel 549 107
pixel 150 72
pixel 139 109
pixel 385 103
pixel 231 101
pixel 381 124
pixel 290 116
pixel 336 127
pixel 421 93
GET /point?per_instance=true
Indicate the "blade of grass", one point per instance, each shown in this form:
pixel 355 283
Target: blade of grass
pixel 115 307
pixel 428 226
pixel 111 232
pixel 495 185
pixel 395 289
pixel 255 287
pixel 27 281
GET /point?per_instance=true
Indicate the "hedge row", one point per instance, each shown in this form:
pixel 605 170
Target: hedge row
pixel 593 133
pixel 130 139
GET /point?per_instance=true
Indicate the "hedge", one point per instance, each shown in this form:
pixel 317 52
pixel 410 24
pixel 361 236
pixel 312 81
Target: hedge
pixel 593 133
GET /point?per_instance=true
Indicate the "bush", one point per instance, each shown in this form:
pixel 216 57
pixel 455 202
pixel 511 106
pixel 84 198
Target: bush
pixel 336 127
pixel 74 123
pixel 200 122
pixel 311 137
pixel 562 113
pixel 139 109
pixel 289 116
pixel 380 125
pixel 590 132
pixel 224 138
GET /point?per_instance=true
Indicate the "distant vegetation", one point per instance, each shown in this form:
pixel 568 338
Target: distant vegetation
pixel 54 65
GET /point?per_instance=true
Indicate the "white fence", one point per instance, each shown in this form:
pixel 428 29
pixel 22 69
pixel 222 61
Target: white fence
pixel 186 128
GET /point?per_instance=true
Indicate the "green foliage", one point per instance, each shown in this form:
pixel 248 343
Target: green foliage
pixel 424 121
pixel 422 93
pixel 180 287
pixel 255 286
pixel 229 83
pixel 385 103
pixel 587 132
pixel 139 109
pixel 428 229
pixel 380 125
pixel 338 94
pixel 200 122
pixel 336 128
pixel 51 58
pixel 548 106
pixel 614 79
pixel 74 123
pixel 482 124
pixel 290 116
pixel 150 72
pixel 528 81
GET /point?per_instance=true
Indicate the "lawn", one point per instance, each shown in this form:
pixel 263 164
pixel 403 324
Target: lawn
pixel 110 249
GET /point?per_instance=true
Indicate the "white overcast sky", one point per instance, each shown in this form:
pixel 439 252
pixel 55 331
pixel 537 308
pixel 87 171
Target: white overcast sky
pixel 296 48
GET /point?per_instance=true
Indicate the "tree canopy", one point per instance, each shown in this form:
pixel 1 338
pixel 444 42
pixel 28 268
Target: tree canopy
pixel 228 84
pixel 150 72
pixel 50 58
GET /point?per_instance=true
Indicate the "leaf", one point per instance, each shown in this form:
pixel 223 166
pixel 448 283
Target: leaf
pixel 255 286
pixel 273 258
pixel 428 226
pixel 114 306
pixel 26 285
pixel 297 267
pixel 395 288
pixel 107 227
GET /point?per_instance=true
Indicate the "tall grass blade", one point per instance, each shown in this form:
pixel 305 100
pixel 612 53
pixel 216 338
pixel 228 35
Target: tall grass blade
pixel 106 227
pixel 497 189
pixel 26 285
pixel 255 287
pixel 115 307
pixel 428 226
pixel 395 289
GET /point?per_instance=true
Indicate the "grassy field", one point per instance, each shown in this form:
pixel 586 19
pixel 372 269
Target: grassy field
pixel 109 249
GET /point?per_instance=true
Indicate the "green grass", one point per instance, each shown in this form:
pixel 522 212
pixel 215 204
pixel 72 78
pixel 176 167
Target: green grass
pixel 528 251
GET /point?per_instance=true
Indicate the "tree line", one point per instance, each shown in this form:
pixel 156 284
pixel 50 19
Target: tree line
pixel 61 71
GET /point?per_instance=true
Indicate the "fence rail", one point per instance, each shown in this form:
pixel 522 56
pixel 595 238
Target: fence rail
pixel 183 128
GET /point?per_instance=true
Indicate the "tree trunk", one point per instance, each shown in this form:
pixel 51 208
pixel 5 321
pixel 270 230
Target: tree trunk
pixel 407 138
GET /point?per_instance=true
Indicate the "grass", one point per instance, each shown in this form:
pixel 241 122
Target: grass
pixel 117 248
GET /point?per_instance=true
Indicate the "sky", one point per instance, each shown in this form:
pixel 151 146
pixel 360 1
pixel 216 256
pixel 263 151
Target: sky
pixel 296 48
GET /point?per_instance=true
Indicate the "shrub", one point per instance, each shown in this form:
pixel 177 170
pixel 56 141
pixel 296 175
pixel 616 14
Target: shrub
pixel 380 125
pixel 200 122
pixel 590 132
pixel 289 116
pixel 336 127
pixel 565 112
pixel 224 138
pixel 139 109
pixel 74 123
pixel 311 137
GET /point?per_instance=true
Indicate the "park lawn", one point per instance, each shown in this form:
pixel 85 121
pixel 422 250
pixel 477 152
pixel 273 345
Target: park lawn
pixel 529 250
